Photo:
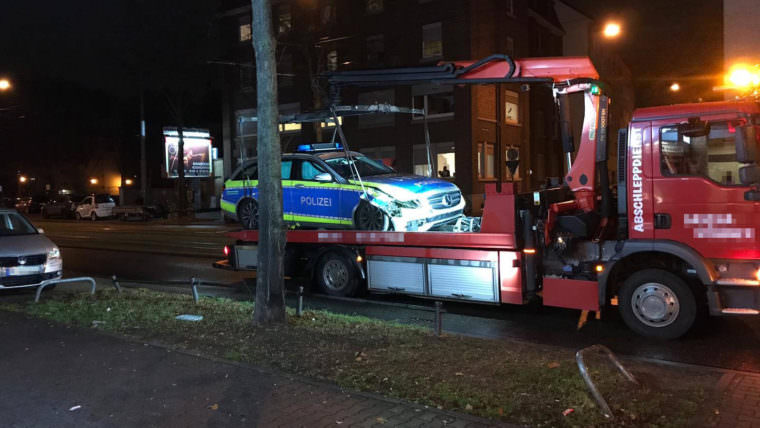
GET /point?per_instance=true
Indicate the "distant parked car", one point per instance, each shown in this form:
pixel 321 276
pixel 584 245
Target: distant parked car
pixel 27 257
pixel 29 204
pixel 60 206
pixel 95 207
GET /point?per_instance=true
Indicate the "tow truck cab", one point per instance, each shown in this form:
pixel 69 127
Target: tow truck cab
pixel 688 191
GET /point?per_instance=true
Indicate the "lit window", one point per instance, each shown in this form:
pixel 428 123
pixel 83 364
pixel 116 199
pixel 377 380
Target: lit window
pixel 245 32
pixel 374 6
pixel 290 127
pixel 331 122
pixel 442 157
pixel 432 44
pixel 486 161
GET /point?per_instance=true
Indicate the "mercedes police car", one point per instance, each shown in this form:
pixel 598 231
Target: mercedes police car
pixel 320 190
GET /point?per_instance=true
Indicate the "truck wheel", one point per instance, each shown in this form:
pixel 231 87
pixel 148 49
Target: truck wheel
pixel 336 275
pixel 369 217
pixel 656 303
pixel 248 214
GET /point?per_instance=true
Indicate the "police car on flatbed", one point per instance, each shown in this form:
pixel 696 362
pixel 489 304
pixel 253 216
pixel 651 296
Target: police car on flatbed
pixel 321 189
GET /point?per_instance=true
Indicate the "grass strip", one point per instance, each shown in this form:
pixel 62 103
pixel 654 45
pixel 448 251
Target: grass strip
pixel 507 381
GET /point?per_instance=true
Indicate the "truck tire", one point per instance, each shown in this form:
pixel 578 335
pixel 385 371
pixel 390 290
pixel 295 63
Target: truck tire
pixel 369 217
pixel 657 303
pixel 248 214
pixel 336 275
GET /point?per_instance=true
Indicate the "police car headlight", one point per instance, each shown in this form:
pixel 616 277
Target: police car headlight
pixel 409 204
pixel 55 253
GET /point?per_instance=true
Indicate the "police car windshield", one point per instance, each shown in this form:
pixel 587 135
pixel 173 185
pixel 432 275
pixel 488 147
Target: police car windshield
pixel 366 166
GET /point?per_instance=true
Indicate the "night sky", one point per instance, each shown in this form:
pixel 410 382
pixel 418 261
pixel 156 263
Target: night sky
pixel 77 68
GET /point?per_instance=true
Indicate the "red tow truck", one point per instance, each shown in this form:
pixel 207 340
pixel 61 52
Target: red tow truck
pixel 677 235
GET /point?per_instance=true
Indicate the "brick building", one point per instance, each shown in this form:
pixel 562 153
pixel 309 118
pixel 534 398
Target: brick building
pixel 472 128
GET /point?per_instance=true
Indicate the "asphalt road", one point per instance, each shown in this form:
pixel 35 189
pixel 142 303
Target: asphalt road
pixel 156 252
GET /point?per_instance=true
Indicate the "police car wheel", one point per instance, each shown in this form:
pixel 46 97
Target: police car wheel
pixel 369 217
pixel 248 214
pixel 336 275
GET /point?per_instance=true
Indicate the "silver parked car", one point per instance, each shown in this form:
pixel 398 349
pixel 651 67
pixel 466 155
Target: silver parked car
pixel 27 257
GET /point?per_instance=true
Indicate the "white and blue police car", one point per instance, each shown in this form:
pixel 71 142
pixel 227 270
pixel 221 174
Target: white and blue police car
pixel 321 190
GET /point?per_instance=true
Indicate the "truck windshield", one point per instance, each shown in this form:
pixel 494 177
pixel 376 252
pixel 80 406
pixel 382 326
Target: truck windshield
pixel 12 224
pixel 366 166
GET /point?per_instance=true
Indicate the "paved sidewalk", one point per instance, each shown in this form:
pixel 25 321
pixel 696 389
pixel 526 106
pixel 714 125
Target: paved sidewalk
pixel 739 401
pixel 47 370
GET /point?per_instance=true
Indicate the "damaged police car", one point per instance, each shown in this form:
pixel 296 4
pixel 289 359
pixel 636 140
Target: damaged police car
pixel 324 187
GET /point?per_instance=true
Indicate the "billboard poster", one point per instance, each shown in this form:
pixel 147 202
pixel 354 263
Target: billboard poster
pixel 197 153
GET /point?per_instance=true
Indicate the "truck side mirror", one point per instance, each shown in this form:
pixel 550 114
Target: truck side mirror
pixel 749 174
pixel 746 144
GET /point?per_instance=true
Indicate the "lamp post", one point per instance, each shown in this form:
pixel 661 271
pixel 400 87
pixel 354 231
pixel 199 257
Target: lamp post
pixel 5 84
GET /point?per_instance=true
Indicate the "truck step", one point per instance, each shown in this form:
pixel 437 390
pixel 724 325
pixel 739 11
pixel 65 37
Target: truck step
pixel 739 311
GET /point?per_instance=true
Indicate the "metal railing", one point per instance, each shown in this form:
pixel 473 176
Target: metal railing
pixel 49 282
pixel 587 378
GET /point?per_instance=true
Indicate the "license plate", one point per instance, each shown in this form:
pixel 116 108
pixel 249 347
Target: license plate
pixel 21 270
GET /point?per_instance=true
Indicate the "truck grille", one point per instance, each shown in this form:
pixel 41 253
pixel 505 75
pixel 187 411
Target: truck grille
pixel 21 280
pixel 445 200
pixel 31 260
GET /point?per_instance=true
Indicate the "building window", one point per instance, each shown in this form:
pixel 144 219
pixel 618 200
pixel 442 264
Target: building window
pixel 438 102
pixel 247 78
pixel 285 69
pixel 328 13
pixel 290 128
pixel 442 157
pixel 332 60
pixel 374 6
pixel 432 41
pixel 486 161
pixel 284 19
pixel 245 32
pixel 375 50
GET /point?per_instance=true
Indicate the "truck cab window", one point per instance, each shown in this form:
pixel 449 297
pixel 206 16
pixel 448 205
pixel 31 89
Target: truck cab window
pixel 712 156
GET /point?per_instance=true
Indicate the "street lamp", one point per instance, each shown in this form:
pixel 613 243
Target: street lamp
pixel 611 30
pixel 5 84
pixel 675 87
pixel 128 182
pixel 93 181
pixel 22 179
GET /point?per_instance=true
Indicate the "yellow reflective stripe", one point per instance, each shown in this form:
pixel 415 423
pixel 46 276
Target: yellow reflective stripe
pixel 231 184
pixel 228 206
pixel 312 219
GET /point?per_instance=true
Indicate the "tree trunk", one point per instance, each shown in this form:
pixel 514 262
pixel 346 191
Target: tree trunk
pixel 270 299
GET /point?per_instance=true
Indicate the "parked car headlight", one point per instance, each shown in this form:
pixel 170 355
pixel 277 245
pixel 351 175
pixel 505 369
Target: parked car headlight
pixel 409 204
pixel 55 253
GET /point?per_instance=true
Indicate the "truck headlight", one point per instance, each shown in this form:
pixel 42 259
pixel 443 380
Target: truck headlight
pixel 55 253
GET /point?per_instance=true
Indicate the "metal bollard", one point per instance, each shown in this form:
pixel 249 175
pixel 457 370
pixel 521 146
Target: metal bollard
pixel 299 309
pixel 587 377
pixel 438 318
pixel 116 284
pixel 194 285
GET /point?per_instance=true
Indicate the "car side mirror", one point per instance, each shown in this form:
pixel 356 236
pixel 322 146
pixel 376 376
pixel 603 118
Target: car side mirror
pixel 41 231
pixel 324 177
pixel 746 144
